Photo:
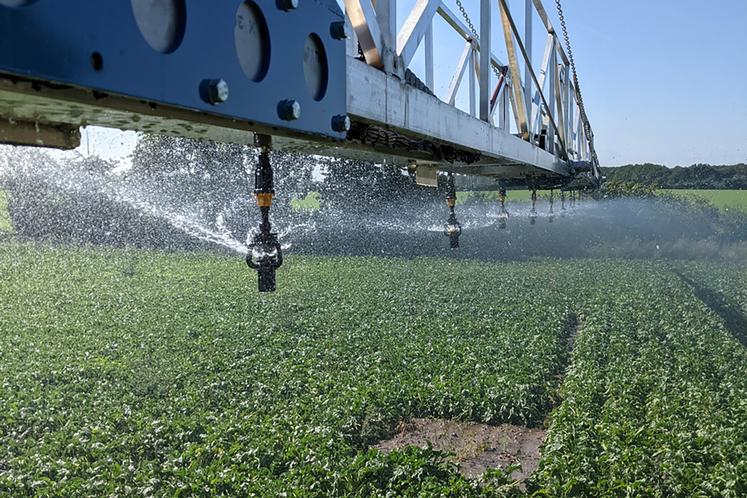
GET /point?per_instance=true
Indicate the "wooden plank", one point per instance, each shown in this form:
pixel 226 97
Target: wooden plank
pixel 365 24
pixel 510 23
pixel 513 65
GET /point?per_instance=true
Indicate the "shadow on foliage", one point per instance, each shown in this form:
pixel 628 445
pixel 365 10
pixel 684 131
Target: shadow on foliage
pixel 734 320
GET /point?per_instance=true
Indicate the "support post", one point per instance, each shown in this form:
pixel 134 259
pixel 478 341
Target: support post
pixel 485 66
pixel 429 57
pixel 386 15
pixel 472 71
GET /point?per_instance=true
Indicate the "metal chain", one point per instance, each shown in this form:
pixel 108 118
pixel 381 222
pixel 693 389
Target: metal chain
pixel 474 32
pixel 579 97
pixel 467 19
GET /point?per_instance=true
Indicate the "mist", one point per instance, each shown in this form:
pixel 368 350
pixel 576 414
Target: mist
pixel 649 228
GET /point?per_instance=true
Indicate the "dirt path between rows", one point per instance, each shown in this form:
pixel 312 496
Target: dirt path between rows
pixel 476 447
pixel 479 447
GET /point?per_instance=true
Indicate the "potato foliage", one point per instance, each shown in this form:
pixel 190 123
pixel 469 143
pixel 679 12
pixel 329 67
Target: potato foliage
pixel 136 373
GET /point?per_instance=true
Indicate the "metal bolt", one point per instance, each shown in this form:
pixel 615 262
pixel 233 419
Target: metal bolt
pixel 289 110
pixel 287 5
pixel 341 123
pixel 215 91
pixel 338 30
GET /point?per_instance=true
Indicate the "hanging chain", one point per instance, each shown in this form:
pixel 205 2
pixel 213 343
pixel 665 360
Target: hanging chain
pixel 474 33
pixel 467 19
pixel 579 97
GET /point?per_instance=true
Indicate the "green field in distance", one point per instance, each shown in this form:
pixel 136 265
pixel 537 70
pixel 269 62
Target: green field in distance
pixel 722 199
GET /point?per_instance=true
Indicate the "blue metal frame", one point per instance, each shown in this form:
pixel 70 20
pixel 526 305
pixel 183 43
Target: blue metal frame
pixel 53 41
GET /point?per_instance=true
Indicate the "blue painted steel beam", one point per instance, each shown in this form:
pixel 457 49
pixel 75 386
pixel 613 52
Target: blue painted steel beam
pixel 98 45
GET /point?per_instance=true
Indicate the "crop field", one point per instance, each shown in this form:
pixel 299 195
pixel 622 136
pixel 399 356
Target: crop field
pixel 725 290
pixel 723 199
pixel 146 373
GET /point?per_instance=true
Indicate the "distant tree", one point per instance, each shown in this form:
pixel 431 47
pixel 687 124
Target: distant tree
pixel 697 176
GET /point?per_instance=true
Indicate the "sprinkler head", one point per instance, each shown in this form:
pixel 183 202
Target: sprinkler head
pixel 453 230
pixel 502 217
pixel 265 256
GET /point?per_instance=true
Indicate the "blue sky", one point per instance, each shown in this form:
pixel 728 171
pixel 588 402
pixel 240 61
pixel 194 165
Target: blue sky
pixel 664 81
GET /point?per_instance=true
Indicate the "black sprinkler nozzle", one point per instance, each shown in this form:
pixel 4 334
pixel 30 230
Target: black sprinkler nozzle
pixel 503 215
pixel 265 256
pixel 453 230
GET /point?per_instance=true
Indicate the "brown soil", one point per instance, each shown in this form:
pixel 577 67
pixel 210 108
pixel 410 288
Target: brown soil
pixel 476 447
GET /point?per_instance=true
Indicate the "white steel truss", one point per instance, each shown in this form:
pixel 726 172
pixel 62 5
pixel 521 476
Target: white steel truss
pixel 541 106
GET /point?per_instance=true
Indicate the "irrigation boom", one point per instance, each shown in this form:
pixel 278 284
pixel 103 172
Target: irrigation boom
pixel 318 76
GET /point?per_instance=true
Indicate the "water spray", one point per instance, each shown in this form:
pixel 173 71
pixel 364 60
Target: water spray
pixel 562 200
pixel 264 255
pixel 453 229
pixel 533 212
pixel 503 215
pixel 552 200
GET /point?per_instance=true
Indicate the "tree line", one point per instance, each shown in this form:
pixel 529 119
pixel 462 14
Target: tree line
pixel 697 176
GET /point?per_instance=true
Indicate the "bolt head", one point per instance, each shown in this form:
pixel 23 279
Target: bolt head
pixel 341 123
pixel 338 30
pixel 220 90
pixel 289 110
pixel 287 5
pixel 214 91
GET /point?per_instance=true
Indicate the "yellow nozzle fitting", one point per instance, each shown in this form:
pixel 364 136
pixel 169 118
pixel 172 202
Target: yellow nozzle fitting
pixel 264 200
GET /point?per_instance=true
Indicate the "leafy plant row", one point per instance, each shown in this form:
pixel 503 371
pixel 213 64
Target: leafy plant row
pixel 132 373
pixel 141 373
pixel 655 403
